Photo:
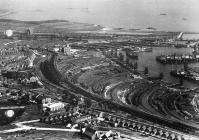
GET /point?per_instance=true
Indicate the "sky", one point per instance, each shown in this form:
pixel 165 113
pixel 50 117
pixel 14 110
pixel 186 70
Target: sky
pixel 177 15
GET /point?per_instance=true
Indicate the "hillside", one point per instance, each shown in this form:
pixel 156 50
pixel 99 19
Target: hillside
pixel 62 26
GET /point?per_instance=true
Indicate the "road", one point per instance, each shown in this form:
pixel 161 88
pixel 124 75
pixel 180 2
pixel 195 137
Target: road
pixel 22 126
pixel 12 42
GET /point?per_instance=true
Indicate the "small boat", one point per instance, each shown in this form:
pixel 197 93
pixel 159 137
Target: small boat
pixel 134 29
pixel 151 28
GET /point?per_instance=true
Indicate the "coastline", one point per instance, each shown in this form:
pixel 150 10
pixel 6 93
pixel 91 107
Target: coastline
pixel 66 26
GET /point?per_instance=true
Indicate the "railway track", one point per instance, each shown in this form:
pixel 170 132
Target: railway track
pixel 49 66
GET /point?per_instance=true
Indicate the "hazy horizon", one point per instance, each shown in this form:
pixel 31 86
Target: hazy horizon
pixel 167 15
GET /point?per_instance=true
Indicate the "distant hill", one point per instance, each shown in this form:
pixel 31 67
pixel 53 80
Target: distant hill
pixel 36 22
pixel 47 26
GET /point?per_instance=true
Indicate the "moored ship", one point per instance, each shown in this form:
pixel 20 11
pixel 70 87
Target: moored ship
pixel 186 75
pixel 177 59
pixel 145 49
pixel 132 54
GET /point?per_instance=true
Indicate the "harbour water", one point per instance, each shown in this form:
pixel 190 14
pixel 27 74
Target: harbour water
pixel 130 14
pixel 148 59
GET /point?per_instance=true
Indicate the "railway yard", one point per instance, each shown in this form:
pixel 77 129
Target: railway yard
pixel 64 84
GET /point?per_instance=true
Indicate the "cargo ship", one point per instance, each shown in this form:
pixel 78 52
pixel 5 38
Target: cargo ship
pixel 132 54
pixel 186 75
